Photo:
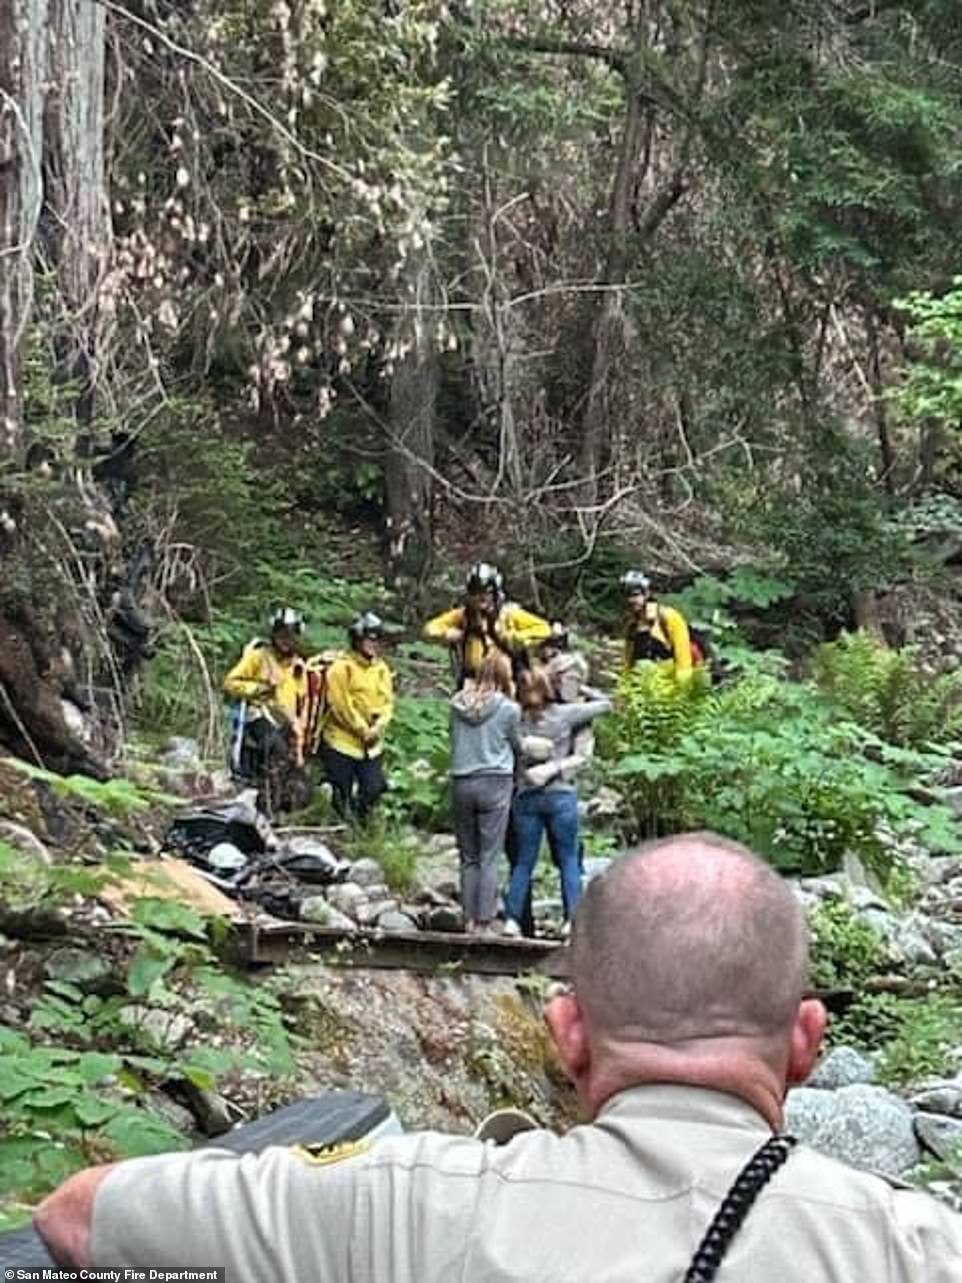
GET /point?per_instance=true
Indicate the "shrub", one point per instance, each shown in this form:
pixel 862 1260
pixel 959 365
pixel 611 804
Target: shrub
pixel 888 691
pixel 766 763
pixel 915 1037
pixel 845 950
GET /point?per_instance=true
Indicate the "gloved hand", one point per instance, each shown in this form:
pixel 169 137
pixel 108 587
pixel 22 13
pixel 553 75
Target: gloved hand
pixel 539 776
pixel 536 748
pixel 454 637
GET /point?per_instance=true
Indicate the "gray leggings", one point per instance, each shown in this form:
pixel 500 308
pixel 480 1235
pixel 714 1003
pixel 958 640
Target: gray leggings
pixel 482 806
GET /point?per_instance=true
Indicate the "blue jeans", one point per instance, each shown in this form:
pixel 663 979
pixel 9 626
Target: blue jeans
pixel 554 811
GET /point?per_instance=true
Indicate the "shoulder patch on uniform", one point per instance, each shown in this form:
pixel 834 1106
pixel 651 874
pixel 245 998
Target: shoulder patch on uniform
pixel 324 1155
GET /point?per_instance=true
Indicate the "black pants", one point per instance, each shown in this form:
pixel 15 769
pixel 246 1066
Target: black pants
pixel 357 782
pixel 268 761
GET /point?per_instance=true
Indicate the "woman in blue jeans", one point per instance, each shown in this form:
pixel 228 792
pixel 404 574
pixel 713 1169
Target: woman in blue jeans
pixel 545 800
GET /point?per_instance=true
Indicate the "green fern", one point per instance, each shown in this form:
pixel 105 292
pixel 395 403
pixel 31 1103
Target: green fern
pixel 888 692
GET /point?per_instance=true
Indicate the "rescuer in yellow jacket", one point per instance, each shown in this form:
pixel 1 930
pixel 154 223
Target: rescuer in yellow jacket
pixel 360 705
pixel 269 686
pixel 485 622
pixel 654 632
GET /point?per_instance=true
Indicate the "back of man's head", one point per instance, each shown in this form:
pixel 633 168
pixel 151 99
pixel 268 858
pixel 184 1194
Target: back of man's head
pixel 689 939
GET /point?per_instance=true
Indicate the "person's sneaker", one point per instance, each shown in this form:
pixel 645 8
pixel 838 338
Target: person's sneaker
pixel 566 930
pixel 511 929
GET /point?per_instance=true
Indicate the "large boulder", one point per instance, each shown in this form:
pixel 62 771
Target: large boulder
pixel 89 971
pixel 904 937
pixel 942 1137
pixel 346 897
pixel 366 873
pixel 842 1067
pixel 943 1097
pixel 864 1125
pixel 316 909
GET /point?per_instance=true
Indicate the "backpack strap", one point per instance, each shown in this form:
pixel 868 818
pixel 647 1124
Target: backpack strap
pixel 736 1205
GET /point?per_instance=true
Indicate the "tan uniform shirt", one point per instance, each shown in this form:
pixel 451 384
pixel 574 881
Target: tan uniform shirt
pixel 625 1200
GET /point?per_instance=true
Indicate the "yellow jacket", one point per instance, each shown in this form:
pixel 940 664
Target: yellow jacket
pixel 360 697
pixel 515 628
pixel 261 677
pixel 668 629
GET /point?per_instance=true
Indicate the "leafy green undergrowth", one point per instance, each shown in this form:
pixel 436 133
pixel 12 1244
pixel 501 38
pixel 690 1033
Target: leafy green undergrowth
pixel 119 798
pixel 76 1082
pixel 845 951
pixel 913 1038
pixel 772 763
pixel 417 760
pixel 889 692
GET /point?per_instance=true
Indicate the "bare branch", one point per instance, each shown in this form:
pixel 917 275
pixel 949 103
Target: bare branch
pixel 231 86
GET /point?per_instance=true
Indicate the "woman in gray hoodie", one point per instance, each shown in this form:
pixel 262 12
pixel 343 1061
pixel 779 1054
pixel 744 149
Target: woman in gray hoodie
pixel 484 724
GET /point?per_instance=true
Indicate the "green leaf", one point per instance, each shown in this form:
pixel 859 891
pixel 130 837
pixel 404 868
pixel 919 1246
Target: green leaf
pixel 167 915
pixel 146 969
pixel 136 1132
pixel 92 1111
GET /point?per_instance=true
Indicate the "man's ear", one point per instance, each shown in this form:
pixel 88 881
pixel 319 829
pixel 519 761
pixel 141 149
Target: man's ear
pixel 566 1022
pixel 807 1036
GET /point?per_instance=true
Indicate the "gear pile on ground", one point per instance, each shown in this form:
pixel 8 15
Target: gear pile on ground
pixel 295 875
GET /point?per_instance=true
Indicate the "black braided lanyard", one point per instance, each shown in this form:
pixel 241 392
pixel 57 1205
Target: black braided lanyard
pixel 749 1183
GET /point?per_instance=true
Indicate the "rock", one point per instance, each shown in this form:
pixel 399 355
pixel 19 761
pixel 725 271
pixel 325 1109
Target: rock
pixel 858 875
pixel 25 882
pixel 378 891
pixel 345 897
pixel 211 1111
pixel 606 803
pixel 946 867
pixel 78 967
pixel 865 897
pixel 941 1136
pixel 442 844
pixel 370 911
pixel 394 920
pixel 170 1111
pixel 864 1125
pixel 952 798
pixel 940 1098
pixel 78 725
pixel 24 840
pixel 366 873
pixel 904 937
pixel 594 865
pixel 444 917
pixel 944 937
pixel 842 1067
pixel 181 753
pixel 168 1029
pixel 826 888
pixel 316 909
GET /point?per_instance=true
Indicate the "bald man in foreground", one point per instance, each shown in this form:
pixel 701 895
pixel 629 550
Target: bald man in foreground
pixel 685 1026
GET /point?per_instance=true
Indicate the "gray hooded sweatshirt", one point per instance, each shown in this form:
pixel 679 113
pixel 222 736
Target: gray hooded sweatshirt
pixel 482 734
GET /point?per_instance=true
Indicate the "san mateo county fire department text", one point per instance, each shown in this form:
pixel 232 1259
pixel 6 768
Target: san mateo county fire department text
pixel 49 1274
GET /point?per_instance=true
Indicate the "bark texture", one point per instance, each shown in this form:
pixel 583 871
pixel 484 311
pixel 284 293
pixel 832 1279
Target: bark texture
pixel 23 75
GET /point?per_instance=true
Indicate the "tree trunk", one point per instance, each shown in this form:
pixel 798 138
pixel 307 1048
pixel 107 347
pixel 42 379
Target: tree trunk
pixel 409 458
pixel 78 228
pixel 878 403
pixel 23 73
pixel 610 343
